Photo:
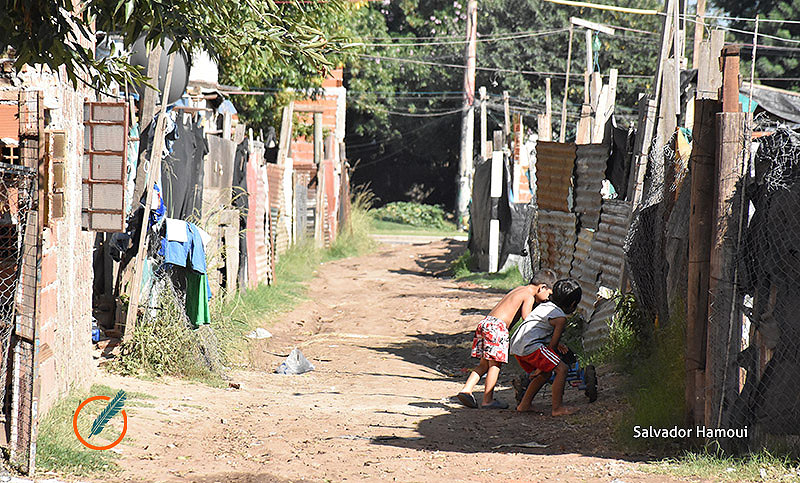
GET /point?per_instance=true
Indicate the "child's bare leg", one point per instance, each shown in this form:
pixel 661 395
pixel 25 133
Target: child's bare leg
pixel 558 392
pixel 491 379
pixel 475 376
pixel 537 381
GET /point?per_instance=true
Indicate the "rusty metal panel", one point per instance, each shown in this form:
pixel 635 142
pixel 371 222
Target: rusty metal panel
pixel 590 170
pixel 555 163
pixel 596 331
pixel 104 166
pixel 584 272
pixel 557 237
pixel 607 248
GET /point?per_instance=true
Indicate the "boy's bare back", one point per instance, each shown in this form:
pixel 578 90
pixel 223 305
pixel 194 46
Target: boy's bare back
pixel 515 304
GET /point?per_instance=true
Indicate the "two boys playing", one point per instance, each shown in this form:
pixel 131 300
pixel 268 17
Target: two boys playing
pixel 543 305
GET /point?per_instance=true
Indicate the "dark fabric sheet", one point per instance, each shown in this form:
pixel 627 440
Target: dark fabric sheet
pixel 241 202
pixel 182 172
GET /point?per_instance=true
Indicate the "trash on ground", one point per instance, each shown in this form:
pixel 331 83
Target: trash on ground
pixel 259 333
pixel 296 363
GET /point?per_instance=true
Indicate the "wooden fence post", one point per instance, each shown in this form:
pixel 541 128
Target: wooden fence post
pixel 319 219
pixel 155 166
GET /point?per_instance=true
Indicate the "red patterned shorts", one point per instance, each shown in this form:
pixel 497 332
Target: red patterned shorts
pixel 491 340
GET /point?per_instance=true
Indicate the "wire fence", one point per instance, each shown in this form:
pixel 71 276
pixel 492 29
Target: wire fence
pixel 754 337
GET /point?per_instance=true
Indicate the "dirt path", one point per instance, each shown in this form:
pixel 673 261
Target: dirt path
pixel 390 339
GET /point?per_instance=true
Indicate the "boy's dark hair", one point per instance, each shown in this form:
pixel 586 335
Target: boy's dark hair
pixel 544 277
pixel 567 294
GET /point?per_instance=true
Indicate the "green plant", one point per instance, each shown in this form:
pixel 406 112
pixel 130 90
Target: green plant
pixel 414 214
pixel 622 343
pixel 759 466
pixel 57 448
pixel 462 266
pixel 656 386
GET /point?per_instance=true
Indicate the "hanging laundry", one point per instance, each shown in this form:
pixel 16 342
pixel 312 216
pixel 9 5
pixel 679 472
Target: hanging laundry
pixel 189 252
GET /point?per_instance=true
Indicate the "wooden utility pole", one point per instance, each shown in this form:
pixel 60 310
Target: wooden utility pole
pixel 155 166
pixel 563 129
pixel 484 127
pixel 467 118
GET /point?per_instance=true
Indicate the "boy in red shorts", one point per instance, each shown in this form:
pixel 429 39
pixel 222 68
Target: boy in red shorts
pixel 490 343
pixel 536 344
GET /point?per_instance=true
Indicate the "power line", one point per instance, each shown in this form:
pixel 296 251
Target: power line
pixel 520 35
pixel 492 69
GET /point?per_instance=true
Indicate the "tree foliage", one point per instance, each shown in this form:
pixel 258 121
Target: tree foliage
pixel 409 157
pixel 780 63
pixel 264 33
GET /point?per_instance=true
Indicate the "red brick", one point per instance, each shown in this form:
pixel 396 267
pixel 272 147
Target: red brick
pixel 49 269
pixel 48 304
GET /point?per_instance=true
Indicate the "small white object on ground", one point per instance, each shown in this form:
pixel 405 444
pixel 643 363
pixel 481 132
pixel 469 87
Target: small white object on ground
pixel 259 333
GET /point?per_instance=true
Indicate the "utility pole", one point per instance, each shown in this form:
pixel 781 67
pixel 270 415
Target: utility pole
pixel 467 118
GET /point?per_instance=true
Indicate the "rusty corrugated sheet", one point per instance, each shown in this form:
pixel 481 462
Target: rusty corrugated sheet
pixel 554 165
pixel 556 235
pixel 596 331
pixel 609 241
pixel 585 272
pixel 607 256
pixel 590 169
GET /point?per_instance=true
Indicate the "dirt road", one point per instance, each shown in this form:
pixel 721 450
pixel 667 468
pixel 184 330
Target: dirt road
pixel 389 335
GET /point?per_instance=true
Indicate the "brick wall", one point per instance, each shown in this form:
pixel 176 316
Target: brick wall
pixel 332 102
pixel 66 281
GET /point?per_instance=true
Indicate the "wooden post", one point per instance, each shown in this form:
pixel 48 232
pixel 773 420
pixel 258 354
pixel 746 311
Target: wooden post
pixel 146 113
pixel 702 166
pixel 545 126
pixel 319 231
pixel 506 118
pixel 698 33
pixel 720 381
pixel 495 190
pixel 562 133
pixel 484 127
pixel 155 162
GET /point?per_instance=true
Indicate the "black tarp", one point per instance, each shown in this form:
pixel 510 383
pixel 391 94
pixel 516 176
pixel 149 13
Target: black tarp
pixel 513 217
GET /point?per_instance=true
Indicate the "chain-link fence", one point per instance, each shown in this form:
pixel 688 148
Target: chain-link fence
pixel 754 329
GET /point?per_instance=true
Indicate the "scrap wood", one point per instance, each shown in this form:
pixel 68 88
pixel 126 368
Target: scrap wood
pixel 529 444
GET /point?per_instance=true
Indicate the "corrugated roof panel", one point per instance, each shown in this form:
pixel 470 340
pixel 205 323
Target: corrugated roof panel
pixel 584 272
pixel 590 168
pixel 596 332
pixel 555 163
pixel 557 240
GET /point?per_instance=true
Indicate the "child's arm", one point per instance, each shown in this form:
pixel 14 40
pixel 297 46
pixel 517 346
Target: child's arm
pixel 527 307
pixel 558 323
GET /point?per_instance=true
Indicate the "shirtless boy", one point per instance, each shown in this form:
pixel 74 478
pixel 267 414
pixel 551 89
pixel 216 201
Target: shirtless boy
pixel 491 337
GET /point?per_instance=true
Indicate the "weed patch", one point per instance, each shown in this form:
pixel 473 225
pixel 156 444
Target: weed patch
pixel 414 214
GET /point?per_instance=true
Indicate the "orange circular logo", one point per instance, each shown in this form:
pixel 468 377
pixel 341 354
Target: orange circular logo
pixel 90 445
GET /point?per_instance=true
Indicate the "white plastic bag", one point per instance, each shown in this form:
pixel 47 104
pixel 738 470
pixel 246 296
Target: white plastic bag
pixel 296 363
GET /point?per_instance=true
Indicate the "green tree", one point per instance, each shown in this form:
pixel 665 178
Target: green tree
pixel 268 34
pixel 778 67
pixel 404 156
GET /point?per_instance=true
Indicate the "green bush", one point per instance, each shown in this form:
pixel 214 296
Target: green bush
pixel 413 214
